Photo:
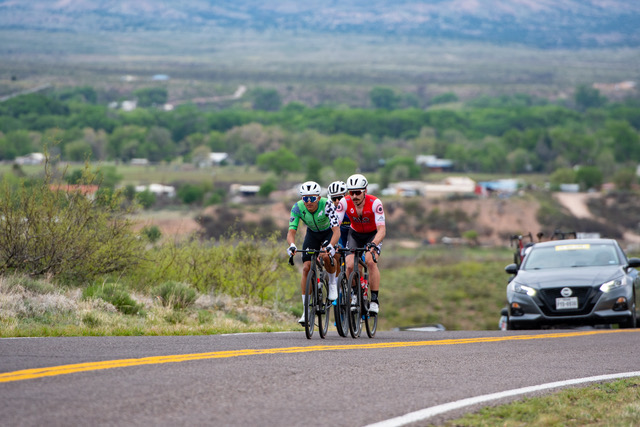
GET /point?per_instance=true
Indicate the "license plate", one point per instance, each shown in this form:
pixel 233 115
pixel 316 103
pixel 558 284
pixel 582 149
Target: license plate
pixel 566 303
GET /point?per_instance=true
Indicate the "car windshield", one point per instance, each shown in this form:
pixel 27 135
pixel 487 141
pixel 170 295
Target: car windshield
pixel 571 255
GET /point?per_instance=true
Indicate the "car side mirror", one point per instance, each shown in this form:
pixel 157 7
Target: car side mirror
pixel 513 268
pixel 633 262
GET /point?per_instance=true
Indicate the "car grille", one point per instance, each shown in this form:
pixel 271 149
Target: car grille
pixel 587 298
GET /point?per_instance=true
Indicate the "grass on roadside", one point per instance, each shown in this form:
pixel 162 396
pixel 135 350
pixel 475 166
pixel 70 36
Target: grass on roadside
pixel 608 404
pixel 33 308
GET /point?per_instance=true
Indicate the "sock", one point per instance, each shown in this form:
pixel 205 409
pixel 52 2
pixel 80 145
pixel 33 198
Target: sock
pixel 374 296
pixel 332 277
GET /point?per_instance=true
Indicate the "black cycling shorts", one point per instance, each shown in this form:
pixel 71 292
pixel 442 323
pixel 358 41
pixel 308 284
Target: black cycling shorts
pixel 359 240
pixel 314 239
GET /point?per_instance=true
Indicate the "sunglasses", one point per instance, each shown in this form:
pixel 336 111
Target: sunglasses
pixel 308 199
pixel 336 198
pixel 355 192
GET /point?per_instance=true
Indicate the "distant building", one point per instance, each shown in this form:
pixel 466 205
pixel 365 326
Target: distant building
pixel 139 162
pixel 218 158
pixel 503 186
pixel 89 191
pixel 244 190
pixel 160 77
pixel 434 163
pixel 449 185
pixel 570 188
pixel 30 159
pixel 157 189
pixel 452 185
pixel 128 105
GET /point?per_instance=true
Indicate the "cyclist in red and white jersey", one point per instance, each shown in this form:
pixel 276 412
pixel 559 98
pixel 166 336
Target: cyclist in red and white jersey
pixel 368 229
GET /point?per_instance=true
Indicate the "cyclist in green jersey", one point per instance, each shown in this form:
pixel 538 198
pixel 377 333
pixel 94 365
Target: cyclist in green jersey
pixel 319 215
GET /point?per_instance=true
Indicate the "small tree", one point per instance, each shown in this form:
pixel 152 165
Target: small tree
pixel 625 179
pixel 47 229
pixel 146 198
pixel 588 97
pixel 191 194
pixel 266 99
pixel 281 161
pixel 383 98
pixel 589 177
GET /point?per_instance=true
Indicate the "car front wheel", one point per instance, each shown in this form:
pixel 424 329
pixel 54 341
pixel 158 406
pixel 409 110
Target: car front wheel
pixel 631 322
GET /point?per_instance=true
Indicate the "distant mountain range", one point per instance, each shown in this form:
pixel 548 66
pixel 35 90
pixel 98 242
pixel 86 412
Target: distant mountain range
pixel 540 23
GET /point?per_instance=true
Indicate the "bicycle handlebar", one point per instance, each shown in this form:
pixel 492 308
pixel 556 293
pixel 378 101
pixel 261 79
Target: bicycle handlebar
pixel 373 254
pixel 310 251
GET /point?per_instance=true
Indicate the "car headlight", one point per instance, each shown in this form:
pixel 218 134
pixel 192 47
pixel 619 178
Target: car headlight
pixel 611 285
pixel 523 289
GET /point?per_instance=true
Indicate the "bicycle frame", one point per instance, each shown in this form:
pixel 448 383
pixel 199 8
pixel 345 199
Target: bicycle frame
pixel 343 303
pixel 360 312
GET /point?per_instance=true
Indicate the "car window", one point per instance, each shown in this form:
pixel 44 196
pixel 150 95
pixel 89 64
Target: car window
pixel 571 255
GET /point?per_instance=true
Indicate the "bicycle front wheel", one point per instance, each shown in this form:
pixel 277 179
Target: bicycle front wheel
pixel 342 307
pixel 355 313
pixel 310 303
pixel 370 319
pixel 323 307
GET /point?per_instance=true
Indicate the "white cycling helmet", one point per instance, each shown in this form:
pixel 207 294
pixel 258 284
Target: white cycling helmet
pixel 357 182
pixel 337 188
pixel 309 188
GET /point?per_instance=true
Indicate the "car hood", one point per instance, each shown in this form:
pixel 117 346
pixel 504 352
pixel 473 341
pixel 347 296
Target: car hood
pixel 577 276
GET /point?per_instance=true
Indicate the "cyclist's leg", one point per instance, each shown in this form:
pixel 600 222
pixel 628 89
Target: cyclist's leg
pixel 374 275
pixel 352 243
pixel 309 243
pixel 374 272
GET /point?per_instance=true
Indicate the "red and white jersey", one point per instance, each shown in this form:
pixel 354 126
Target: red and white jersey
pixel 372 214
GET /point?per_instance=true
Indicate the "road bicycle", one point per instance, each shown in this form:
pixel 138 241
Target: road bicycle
pixel 359 312
pixel 342 305
pixel 316 303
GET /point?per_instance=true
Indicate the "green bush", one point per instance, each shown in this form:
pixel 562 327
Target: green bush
pixel 50 229
pixel 114 294
pixel 175 294
pixel 239 266
pixel 152 232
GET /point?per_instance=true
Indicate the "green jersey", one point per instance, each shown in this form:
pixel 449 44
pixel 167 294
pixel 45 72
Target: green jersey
pixel 322 219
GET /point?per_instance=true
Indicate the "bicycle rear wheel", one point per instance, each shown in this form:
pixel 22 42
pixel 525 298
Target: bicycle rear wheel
pixel 310 303
pixel 323 307
pixel 355 313
pixel 342 307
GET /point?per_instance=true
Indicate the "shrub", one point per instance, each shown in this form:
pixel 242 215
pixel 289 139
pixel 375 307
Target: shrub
pixel 146 198
pixel 115 295
pixel 152 232
pixel 48 228
pixel 174 294
pixel 239 266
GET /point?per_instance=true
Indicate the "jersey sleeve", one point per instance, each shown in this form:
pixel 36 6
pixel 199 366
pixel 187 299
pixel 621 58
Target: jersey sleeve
pixel 378 212
pixel 294 218
pixel 332 214
pixel 341 210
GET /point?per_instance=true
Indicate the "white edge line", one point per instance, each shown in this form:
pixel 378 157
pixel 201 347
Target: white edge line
pixel 423 414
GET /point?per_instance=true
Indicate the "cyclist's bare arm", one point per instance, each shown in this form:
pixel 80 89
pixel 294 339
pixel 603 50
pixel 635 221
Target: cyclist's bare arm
pixel 291 236
pixel 380 234
pixel 336 235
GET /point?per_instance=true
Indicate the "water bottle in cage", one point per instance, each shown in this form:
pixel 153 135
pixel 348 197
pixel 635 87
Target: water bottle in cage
pixel 364 283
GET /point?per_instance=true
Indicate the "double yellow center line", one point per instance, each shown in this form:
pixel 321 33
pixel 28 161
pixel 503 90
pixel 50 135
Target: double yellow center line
pixel 28 374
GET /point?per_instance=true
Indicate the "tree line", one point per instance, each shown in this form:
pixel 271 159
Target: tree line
pixel 507 134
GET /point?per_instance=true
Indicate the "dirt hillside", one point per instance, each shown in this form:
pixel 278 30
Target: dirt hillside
pixel 415 219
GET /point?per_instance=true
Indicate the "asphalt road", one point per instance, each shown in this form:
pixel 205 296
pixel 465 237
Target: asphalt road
pixel 283 379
